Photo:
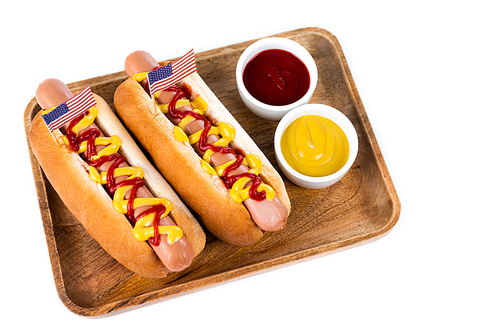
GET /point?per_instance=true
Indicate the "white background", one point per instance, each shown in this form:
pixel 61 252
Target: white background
pixel 427 74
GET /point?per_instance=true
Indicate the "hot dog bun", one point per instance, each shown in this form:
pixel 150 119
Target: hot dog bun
pixel 217 112
pixel 92 206
pixel 179 163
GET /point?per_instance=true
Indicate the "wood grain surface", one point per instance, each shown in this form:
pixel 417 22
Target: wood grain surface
pixel 360 208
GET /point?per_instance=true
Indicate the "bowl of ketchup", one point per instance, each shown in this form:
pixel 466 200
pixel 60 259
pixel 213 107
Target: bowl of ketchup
pixel 315 145
pixel 275 75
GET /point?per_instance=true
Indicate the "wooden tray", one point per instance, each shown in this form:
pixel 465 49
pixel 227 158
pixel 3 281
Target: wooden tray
pixel 362 207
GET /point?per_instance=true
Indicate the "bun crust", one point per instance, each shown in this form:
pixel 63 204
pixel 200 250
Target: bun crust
pixel 179 163
pixel 216 113
pixel 92 206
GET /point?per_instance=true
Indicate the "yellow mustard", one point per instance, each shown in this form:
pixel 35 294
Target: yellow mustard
pixel 239 192
pixel 140 76
pixel 143 228
pixel 178 104
pixel 315 146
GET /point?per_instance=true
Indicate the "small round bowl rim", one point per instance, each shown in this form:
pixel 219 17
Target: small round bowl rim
pixel 321 110
pixel 276 43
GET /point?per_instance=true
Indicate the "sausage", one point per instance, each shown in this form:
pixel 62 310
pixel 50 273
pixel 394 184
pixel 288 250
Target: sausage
pixel 176 256
pixel 268 215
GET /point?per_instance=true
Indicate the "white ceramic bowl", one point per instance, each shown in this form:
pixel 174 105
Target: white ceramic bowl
pixel 337 117
pixel 264 110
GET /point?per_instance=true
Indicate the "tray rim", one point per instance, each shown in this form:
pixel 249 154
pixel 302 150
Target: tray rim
pixel 180 289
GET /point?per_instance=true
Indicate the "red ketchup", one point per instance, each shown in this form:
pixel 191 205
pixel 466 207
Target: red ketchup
pixel 204 146
pixel 276 77
pixel 137 182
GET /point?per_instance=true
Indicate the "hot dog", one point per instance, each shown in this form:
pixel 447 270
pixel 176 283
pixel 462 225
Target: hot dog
pixel 77 165
pixel 162 127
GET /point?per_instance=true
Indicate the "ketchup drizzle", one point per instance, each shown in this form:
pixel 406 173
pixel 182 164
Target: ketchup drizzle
pixel 111 186
pixel 256 181
pixel 204 146
pixel 158 210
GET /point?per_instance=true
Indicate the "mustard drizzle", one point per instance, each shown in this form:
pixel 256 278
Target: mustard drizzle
pixel 239 190
pixel 142 229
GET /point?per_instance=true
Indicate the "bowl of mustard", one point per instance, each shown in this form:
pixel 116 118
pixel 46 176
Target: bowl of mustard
pixel 315 145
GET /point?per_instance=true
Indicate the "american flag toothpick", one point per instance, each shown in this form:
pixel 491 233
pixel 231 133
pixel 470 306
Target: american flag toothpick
pixel 168 75
pixel 70 109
